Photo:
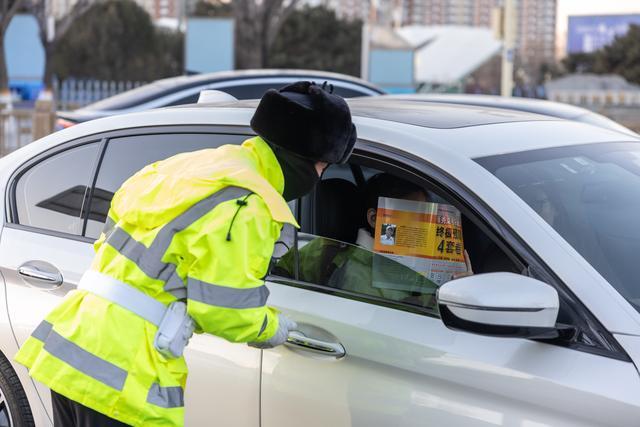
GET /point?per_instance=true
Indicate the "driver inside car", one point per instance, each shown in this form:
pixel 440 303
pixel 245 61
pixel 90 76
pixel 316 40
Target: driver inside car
pixel 343 266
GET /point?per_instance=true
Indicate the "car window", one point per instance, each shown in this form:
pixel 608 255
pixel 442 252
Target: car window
pixel 255 91
pixel 387 240
pixel 250 91
pixel 590 194
pixel 348 92
pixel 356 271
pixel 51 194
pixel 189 99
pixel 127 155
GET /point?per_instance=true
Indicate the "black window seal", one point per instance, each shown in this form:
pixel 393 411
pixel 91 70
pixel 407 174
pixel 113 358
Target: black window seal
pixel 10 197
pixel 46 232
pixel 587 322
pixel 500 232
pixel 11 214
pixel 354 296
pixel 366 159
pixel 86 206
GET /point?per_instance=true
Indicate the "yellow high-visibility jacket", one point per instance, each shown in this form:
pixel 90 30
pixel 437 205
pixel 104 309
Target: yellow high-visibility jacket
pixel 199 226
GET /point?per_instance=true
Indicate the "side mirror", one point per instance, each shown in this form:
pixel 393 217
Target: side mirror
pixel 500 305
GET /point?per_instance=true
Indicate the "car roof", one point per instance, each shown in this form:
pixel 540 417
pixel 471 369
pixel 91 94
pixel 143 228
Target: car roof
pixel 466 131
pixel 169 85
pixel 435 116
pixel 537 106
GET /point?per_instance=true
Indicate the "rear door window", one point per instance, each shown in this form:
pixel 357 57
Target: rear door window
pixel 51 194
pixel 126 155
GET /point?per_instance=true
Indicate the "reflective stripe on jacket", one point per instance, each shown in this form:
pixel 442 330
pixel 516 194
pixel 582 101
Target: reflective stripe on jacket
pixel 198 226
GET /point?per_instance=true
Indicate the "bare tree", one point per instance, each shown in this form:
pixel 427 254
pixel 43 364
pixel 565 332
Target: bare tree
pixel 41 11
pixel 9 9
pixel 257 25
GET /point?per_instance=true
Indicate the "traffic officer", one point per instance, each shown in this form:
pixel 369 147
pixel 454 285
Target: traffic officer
pixel 186 246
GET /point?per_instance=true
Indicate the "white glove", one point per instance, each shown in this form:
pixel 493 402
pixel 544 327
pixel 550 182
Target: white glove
pixel 280 337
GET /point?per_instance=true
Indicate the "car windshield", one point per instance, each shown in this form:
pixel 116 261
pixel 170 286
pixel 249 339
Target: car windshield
pixel 590 194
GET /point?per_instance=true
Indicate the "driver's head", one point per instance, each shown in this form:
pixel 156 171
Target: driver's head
pixel 386 185
pixel 308 128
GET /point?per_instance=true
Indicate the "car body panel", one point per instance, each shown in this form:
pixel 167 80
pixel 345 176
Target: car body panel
pixel 451 150
pixel 236 366
pixel 217 366
pixel 9 348
pixel 401 368
pixel 406 369
pixel 583 280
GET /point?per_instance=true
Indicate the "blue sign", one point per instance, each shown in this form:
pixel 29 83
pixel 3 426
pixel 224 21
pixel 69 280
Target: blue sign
pixel 209 45
pixel 590 33
pixel 391 67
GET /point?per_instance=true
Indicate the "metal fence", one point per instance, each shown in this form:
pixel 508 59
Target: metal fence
pixel 76 93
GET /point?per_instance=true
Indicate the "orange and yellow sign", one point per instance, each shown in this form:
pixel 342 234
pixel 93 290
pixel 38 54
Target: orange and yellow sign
pixel 427 237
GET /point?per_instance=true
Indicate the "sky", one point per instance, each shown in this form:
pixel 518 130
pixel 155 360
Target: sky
pixel 589 7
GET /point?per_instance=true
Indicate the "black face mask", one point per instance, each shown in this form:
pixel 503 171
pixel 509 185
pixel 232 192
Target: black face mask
pixel 300 175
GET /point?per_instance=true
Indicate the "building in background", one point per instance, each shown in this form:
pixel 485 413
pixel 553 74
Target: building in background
pixel 387 47
pixel 535 41
pixel 157 9
pixel 453 58
pixel 376 12
pixel 536 38
pixel 589 33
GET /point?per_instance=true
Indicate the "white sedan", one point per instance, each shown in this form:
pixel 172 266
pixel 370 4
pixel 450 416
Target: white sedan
pixel 545 333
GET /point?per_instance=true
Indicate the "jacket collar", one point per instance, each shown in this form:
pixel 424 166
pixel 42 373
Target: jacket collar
pixel 266 161
pixel 269 168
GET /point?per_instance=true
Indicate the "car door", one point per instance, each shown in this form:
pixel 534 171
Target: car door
pixel 59 203
pixel 371 361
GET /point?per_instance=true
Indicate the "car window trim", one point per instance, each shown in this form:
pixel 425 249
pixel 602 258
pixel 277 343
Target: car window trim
pixel 53 233
pixel 183 129
pixel 609 347
pixel 394 156
pixel 11 213
pixel 500 233
pixel 365 159
pixel 352 296
pixel 86 206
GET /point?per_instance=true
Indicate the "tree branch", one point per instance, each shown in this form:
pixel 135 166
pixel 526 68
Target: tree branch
pixel 63 25
pixel 278 21
pixel 8 12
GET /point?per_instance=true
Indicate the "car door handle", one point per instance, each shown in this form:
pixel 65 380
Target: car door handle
pixel 41 275
pixel 298 339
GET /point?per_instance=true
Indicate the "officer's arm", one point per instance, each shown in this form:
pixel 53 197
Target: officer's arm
pixel 225 287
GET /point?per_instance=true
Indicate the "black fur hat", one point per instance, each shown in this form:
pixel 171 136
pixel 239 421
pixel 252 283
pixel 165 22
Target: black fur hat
pixel 306 120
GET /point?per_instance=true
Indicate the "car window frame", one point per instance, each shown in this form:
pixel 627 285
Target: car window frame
pixel 495 228
pixel 609 347
pixel 11 211
pixel 102 139
pixel 306 209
